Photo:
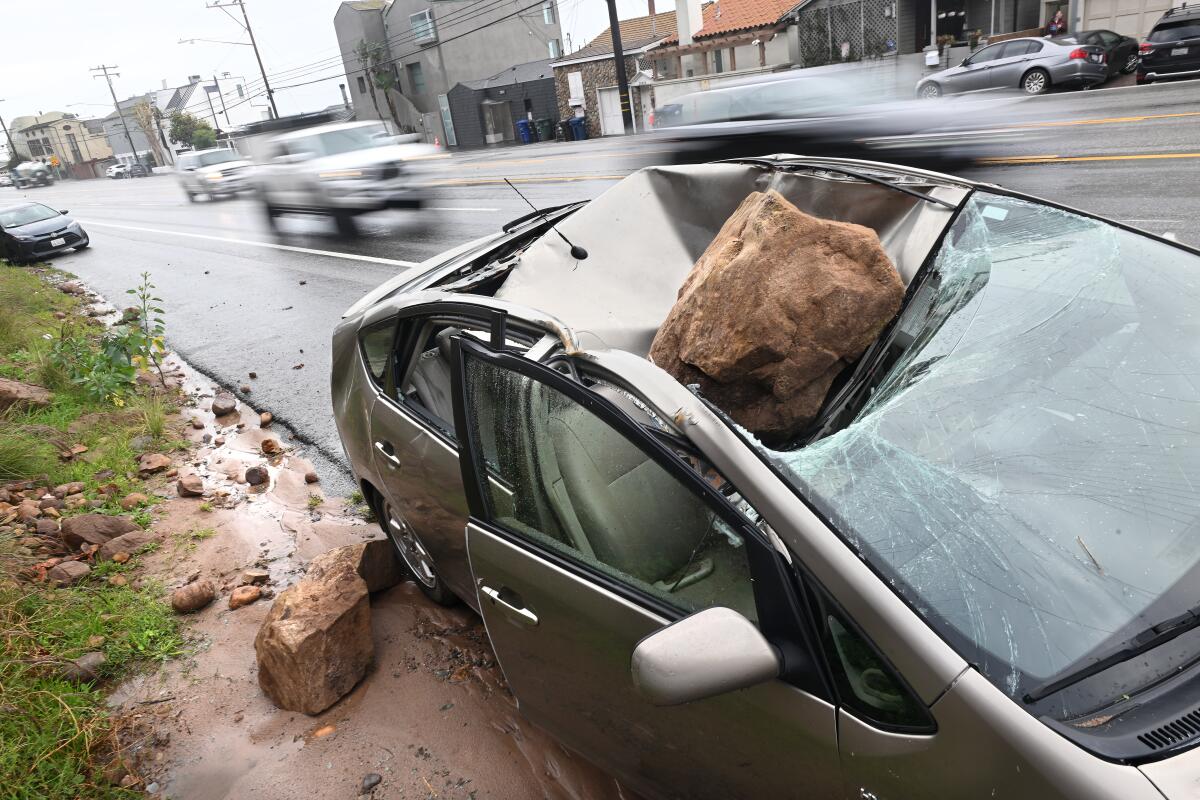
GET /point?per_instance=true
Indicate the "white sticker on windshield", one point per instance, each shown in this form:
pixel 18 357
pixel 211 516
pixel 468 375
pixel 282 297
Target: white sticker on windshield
pixel 994 212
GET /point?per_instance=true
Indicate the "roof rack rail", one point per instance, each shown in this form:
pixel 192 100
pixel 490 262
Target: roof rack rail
pixel 1180 9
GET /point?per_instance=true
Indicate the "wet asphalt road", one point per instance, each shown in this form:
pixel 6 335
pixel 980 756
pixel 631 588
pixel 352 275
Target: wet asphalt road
pixel 240 299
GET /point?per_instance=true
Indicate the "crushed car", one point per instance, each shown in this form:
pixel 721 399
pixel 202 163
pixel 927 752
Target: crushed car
pixel 964 570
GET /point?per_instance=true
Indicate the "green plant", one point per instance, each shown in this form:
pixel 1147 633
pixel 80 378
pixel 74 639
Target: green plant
pixel 144 335
pixel 22 453
pixel 206 507
pixel 315 500
pixel 153 413
pixel 356 498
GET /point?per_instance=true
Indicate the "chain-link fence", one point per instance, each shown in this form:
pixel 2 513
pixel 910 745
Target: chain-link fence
pixel 847 31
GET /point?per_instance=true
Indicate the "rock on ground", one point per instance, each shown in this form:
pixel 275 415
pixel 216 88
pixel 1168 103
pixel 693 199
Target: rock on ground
pixel 133 500
pixel 64 489
pixel 85 668
pixel 244 596
pixel 374 561
pixel 193 597
pixel 94 529
pixel 149 463
pixel 15 394
pixel 125 543
pixel 257 475
pixel 224 403
pixel 316 644
pixel 776 307
pixel 190 486
pixel 67 573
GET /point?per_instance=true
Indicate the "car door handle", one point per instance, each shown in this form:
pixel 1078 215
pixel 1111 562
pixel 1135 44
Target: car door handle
pixel 389 453
pixel 512 607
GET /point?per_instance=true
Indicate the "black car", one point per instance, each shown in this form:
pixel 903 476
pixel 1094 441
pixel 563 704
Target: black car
pixel 1120 52
pixel 1172 48
pixel 29 231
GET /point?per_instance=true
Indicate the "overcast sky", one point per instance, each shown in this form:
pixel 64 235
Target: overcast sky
pixel 45 57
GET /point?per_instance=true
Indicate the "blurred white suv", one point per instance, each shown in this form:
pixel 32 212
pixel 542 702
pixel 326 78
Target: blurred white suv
pixel 342 170
pixel 219 171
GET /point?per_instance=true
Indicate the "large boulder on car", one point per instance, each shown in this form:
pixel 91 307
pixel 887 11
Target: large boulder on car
pixel 315 644
pixel 374 561
pixel 777 306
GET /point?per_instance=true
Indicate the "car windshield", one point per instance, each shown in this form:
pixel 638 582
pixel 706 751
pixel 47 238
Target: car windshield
pixel 216 157
pixel 25 215
pixel 346 140
pixel 1026 470
pixel 1175 31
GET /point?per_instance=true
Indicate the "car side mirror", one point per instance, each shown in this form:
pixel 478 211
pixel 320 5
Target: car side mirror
pixel 64 211
pixel 706 654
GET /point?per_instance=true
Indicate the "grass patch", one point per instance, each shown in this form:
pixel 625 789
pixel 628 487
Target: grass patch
pixel 314 500
pixel 206 507
pixel 22 453
pixel 152 411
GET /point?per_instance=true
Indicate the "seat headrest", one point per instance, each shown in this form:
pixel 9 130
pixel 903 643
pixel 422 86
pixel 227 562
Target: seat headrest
pixel 443 342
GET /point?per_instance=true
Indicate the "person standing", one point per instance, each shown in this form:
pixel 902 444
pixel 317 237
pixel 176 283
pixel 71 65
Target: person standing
pixel 1058 25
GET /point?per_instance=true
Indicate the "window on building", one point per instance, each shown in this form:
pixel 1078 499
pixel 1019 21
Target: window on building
pixel 555 48
pixel 548 12
pixel 575 87
pixel 362 85
pixel 423 28
pixel 416 78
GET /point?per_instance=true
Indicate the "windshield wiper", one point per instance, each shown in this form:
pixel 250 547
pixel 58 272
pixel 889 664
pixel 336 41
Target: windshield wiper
pixel 1143 642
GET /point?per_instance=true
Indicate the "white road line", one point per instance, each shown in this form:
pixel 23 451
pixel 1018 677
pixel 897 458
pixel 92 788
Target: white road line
pixel 252 243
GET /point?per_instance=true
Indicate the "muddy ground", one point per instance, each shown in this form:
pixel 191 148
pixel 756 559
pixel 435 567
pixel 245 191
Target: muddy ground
pixel 433 719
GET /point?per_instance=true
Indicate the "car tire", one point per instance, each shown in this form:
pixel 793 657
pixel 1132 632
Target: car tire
pixel 413 556
pixel 270 212
pixel 1036 81
pixel 191 196
pixel 346 226
pixel 1131 64
pixel 929 90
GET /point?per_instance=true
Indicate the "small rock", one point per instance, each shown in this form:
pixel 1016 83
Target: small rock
pixel 51 512
pixel 150 463
pixel 245 388
pixel 370 781
pixel 64 489
pixel 224 403
pixel 220 440
pixel 133 500
pixel 50 502
pixel 270 447
pixel 59 315
pixel 303 283
pixel 206 438
pixel 193 597
pixel 47 527
pixel 255 577
pixel 253 375
pixel 73 501
pixel 117 580
pixel 85 668
pixel 190 486
pixel 311 476
pixel 265 419
pixel 298 366
pixel 244 596
pixel 67 573
pixel 71 287
pixel 28 511
pixel 95 641
pixel 257 475
pixel 238 717
pixel 125 543
pixel 152 787
pixel 129 781
pixel 121 557
pixel 141 442
pixel 197 423
pixel 171 473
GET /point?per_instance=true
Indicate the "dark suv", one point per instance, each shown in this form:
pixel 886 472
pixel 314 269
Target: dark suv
pixel 1172 49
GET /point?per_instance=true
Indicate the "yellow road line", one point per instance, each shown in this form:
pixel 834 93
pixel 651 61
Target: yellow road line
pixel 543 179
pixel 1065 159
pixel 1105 120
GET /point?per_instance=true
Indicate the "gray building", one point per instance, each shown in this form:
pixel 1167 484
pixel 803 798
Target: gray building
pixel 486 111
pixel 114 132
pixel 426 47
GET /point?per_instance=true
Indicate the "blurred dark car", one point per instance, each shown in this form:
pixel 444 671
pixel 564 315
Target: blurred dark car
pixel 1172 48
pixel 828 116
pixel 1120 52
pixel 29 231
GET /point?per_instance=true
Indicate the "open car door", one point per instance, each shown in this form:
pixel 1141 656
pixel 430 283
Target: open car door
pixel 589 532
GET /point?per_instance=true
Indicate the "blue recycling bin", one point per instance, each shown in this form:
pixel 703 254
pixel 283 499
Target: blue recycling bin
pixel 524 131
pixel 579 128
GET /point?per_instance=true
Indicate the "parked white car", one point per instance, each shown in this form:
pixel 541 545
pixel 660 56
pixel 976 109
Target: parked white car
pixel 341 170
pixel 117 171
pixel 5 180
pixel 220 171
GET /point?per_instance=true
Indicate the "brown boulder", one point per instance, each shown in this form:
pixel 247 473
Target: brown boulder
pixel 244 596
pixel 85 668
pixel 133 500
pixel 315 644
pixel 190 486
pixel 64 489
pixel 224 403
pixel 67 573
pixel 125 543
pixel 374 561
pixel 270 447
pixel 46 527
pixel 73 501
pixel 28 511
pixel 265 419
pixel 15 394
pixel 149 463
pixel 94 529
pixel 776 307
pixel 193 597
pixel 257 475
pixel 311 476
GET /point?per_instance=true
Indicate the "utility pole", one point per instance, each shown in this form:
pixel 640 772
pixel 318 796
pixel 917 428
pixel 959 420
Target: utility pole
pixel 223 5
pixel 211 110
pixel 619 58
pixel 104 70
pixel 224 110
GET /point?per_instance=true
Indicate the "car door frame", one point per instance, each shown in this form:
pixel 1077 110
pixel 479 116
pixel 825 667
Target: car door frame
pixel 784 614
pixel 974 74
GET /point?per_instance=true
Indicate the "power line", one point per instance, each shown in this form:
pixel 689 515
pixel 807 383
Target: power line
pixel 223 5
pixel 103 69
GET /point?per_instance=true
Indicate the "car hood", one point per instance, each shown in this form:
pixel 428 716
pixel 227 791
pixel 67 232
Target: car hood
pixel 212 169
pixel 1178 777
pixel 45 226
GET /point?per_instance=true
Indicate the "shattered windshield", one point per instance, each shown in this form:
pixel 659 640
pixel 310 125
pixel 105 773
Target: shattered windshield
pixel 1027 472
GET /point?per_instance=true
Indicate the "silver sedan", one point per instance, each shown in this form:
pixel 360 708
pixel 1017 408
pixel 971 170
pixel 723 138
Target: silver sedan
pixel 1033 65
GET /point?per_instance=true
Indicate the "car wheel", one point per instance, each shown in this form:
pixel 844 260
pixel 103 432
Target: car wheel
pixel 191 196
pixel 414 556
pixel 346 226
pixel 1131 64
pixel 1036 81
pixel 929 90
pixel 271 212
pixel 84 245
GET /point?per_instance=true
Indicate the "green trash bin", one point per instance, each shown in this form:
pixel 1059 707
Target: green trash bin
pixel 545 130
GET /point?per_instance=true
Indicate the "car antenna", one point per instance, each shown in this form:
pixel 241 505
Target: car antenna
pixel 577 252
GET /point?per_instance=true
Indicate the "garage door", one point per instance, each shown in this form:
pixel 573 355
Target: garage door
pixel 1130 17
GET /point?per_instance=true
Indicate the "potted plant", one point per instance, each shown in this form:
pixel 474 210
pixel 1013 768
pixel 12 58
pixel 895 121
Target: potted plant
pixel 945 42
pixel 973 38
